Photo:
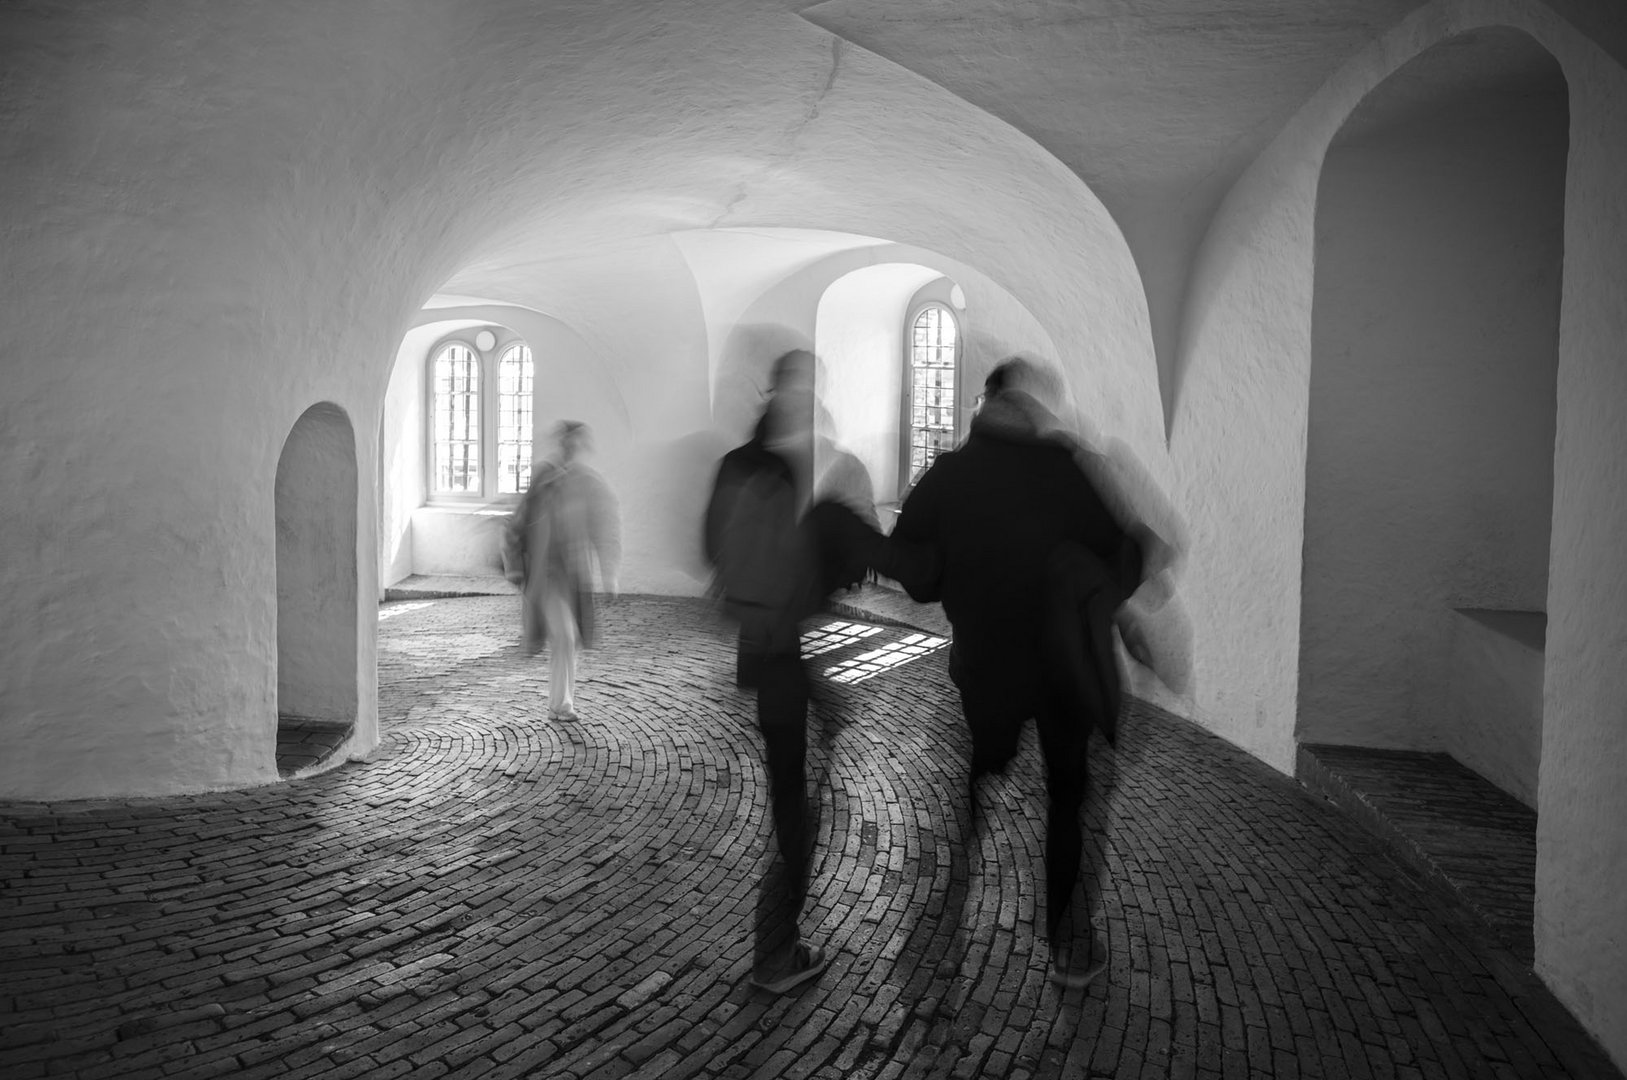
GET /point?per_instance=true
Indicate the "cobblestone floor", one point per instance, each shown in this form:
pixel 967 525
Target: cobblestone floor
pixel 493 894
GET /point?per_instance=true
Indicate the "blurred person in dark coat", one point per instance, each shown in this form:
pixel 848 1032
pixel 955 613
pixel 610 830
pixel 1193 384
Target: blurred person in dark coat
pixel 776 562
pixel 1031 567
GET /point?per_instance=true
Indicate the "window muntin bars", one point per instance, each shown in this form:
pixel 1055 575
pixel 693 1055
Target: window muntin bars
pixel 514 375
pixel 932 387
pixel 457 420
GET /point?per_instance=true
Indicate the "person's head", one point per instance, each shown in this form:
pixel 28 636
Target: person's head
pixel 573 437
pixel 790 409
pixel 1023 375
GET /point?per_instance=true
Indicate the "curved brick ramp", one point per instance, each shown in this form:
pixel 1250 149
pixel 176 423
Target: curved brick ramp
pixel 497 895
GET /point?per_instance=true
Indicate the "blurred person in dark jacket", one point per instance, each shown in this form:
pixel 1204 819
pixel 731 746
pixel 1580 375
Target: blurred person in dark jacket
pixel 1031 566
pixel 777 559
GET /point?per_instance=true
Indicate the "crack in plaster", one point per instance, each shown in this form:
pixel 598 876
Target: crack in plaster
pixel 743 188
pixel 824 91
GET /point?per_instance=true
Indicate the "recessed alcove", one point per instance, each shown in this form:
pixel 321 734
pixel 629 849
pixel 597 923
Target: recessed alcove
pixel 316 590
pixel 1429 479
pixel 1430 438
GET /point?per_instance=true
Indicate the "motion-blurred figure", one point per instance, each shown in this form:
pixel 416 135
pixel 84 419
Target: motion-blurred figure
pixel 567 520
pixel 1152 622
pixel 775 568
pixel 1031 567
pixel 839 475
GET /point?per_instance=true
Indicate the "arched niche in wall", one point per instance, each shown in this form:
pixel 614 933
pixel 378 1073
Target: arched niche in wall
pixel 1430 442
pixel 405 451
pixel 316 589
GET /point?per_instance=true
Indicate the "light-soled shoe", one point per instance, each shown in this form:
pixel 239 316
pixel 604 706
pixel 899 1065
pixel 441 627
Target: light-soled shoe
pixel 807 961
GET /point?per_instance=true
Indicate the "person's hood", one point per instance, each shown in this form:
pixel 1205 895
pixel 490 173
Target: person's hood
pixel 1016 416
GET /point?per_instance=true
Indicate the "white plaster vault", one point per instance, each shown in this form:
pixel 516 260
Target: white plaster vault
pixel 232 232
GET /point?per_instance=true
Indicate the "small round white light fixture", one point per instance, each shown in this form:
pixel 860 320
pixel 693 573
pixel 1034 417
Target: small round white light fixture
pixel 485 340
pixel 957 297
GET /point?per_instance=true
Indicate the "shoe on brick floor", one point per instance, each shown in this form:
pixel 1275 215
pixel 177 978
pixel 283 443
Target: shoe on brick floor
pixel 806 962
pixel 1073 968
pixel 563 714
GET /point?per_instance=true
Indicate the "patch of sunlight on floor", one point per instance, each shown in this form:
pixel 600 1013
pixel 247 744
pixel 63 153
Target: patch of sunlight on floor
pixel 834 635
pixel 891 655
pixel 397 609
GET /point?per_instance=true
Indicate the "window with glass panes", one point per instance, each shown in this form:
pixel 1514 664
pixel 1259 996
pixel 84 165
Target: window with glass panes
pixel 457 420
pixel 514 371
pixel 932 387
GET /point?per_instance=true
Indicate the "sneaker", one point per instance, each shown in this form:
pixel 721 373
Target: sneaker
pixel 1068 972
pixel 807 961
pixel 563 714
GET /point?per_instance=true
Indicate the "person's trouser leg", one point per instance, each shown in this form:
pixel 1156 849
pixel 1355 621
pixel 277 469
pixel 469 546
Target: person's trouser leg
pixel 782 715
pixel 748 658
pixel 782 709
pixel 533 631
pixel 994 713
pixel 562 644
pixel 1063 735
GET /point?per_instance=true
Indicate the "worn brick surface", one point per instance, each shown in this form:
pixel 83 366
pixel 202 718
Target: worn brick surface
pixel 1453 825
pixel 495 894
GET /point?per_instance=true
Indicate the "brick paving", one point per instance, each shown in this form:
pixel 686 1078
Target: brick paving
pixel 493 894
pixel 1449 822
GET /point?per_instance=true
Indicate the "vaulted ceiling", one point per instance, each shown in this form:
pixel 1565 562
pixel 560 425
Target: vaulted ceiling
pixel 1159 105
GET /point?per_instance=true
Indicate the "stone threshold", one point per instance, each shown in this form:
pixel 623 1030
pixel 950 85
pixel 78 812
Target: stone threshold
pixel 304 743
pixel 445 586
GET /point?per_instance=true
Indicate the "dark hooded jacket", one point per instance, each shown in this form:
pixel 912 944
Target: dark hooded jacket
pixel 981 527
pixel 775 566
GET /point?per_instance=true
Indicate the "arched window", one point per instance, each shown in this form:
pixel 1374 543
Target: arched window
pixel 457 420
pixel 514 371
pixel 480 418
pixel 934 351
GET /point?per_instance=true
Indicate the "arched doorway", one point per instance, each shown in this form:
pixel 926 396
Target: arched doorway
pixel 316 590
pixel 1429 476
pixel 1429 472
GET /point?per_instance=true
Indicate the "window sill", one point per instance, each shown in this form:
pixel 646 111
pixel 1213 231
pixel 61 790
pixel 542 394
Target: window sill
pixel 487 509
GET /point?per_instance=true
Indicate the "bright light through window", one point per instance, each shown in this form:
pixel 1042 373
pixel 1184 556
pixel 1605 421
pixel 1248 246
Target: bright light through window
pixel 457 420
pixel 932 387
pixel 514 373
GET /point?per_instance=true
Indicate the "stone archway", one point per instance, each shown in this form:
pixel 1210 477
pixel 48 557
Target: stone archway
pixel 316 590
pixel 1430 442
